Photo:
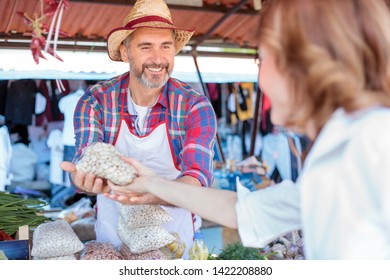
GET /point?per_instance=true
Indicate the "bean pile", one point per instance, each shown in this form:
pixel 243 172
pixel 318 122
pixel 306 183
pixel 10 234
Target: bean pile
pixel 103 160
pixel 95 250
pixel 143 233
pixel 149 255
pixel 55 239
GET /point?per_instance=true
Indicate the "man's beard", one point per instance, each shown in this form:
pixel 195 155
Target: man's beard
pixel 154 80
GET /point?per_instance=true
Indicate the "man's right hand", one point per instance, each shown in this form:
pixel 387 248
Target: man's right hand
pixel 85 182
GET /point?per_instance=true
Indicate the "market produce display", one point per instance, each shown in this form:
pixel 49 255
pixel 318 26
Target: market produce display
pixel 287 247
pixel 148 235
pixel 95 250
pixel 236 251
pixel 16 211
pixel 84 228
pixel 104 161
pixel 71 257
pixel 143 215
pixel 175 249
pixel 55 239
pixel 198 250
pixel 150 255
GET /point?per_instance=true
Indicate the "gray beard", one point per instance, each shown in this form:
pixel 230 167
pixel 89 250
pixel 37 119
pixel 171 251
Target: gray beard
pixel 150 83
pixel 144 81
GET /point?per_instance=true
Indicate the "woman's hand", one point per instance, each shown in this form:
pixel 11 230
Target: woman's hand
pixel 136 192
pixel 142 170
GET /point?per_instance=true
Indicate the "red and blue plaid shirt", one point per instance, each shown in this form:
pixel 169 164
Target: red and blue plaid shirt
pixel 191 122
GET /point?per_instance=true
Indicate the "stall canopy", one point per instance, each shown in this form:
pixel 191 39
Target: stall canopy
pixel 223 23
pixel 222 29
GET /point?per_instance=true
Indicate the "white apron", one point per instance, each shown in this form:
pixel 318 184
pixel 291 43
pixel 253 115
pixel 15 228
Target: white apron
pixel 153 150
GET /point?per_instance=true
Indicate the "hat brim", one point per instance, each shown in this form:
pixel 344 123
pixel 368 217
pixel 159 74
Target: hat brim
pixel 118 35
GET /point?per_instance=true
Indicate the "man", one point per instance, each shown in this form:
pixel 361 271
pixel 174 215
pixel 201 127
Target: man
pixel 147 115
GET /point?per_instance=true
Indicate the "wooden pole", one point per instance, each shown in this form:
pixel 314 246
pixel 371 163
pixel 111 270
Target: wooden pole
pixel 256 120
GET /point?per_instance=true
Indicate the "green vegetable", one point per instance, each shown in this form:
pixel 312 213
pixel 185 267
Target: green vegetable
pixel 236 251
pixel 16 211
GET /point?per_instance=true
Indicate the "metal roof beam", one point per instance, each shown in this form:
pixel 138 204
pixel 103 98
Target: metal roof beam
pixel 237 7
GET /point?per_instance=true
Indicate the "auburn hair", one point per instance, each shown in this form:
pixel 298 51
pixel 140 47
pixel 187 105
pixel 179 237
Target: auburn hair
pixel 334 53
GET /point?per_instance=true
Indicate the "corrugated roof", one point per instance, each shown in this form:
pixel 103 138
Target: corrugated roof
pixel 92 20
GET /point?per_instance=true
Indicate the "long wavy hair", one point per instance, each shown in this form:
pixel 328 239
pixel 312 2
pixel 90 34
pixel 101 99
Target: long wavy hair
pixel 334 53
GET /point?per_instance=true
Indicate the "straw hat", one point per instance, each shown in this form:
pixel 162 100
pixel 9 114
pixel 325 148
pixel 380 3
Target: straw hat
pixel 145 13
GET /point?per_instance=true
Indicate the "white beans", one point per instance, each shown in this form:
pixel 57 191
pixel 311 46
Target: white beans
pixel 141 240
pixel 70 258
pixel 94 250
pixel 55 239
pixel 139 227
pixel 102 160
pixel 143 215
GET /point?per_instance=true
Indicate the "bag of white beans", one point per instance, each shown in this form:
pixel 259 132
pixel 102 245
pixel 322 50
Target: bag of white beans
pixel 140 240
pixel 69 258
pixel 135 216
pixel 103 160
pixel 55 239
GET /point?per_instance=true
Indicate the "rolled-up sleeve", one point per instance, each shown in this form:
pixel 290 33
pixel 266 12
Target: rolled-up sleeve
pixel 266 214
pixel 87 123
pixel 200 138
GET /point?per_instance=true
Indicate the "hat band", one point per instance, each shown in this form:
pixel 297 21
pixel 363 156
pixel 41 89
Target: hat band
pixel 133 22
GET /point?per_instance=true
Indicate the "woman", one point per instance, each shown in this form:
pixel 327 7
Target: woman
pixel 325 65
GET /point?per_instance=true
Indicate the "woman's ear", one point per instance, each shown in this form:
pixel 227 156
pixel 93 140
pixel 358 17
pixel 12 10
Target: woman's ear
pixel 123 51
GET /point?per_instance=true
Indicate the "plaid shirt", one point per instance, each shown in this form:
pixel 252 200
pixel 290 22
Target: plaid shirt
pixel 191 122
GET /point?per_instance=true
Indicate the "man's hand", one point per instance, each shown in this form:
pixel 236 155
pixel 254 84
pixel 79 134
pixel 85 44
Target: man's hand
pixel 85 182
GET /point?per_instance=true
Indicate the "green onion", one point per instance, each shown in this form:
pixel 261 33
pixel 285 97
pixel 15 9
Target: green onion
pixel 16 211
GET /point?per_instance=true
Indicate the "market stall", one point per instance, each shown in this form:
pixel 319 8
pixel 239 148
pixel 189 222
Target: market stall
pixel 225 72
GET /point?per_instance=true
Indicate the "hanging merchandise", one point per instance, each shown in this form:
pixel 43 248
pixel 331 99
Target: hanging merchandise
pixel 3 95
pixel 6 156
pixel 266 125
pixel 52 94
pixel 20 104
pixel 215 94
pixel 55 8
pixel 243 93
